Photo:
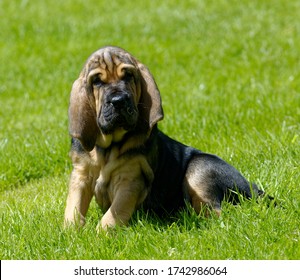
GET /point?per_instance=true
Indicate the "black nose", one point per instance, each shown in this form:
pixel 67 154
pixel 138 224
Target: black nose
pixel 119 101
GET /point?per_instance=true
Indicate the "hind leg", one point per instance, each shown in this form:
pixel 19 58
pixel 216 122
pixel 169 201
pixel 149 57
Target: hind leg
pixel 209 178
pixel 201 201
pixel 201 191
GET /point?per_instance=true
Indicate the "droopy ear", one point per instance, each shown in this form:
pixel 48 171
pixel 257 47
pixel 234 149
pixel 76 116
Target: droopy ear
pixel 82 115
pixel 150 106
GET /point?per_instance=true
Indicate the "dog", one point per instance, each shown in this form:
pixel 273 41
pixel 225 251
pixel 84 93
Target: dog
pixel 121 158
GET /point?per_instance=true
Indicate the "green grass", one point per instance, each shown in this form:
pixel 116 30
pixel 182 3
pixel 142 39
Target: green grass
pixel 229 75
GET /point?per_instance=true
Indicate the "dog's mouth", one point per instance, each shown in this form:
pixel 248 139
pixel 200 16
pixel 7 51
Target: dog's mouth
pixel 118 111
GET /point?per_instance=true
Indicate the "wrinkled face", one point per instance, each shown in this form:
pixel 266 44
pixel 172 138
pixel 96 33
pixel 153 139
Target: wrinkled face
pixel 115 84
pixel 114 94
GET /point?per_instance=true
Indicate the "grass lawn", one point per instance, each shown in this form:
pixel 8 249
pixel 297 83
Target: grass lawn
pixel 229 75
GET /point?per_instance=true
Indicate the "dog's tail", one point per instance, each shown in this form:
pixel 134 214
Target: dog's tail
pixel 249 191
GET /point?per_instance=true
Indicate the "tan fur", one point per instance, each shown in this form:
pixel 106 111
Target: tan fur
pixel 85 100
pixel 196 184
pixel 117 180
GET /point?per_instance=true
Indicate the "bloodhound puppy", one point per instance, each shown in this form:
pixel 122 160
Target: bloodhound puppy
pixel 120 156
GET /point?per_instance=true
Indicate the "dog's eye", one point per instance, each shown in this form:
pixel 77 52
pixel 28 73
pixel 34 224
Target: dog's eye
pixel 96 81
pixel 128 75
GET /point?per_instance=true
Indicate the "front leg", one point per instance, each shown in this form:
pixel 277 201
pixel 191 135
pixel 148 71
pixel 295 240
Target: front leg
pixel 126 199
pixel 79 198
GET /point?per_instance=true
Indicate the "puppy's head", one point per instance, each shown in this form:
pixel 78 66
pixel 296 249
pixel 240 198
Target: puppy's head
pixel 113 95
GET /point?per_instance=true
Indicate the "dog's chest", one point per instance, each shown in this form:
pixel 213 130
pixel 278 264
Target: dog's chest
pixel 104 163
pixel 112 170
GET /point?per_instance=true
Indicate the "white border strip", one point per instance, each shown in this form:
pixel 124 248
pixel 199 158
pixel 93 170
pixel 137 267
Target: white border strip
pixel 144 269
